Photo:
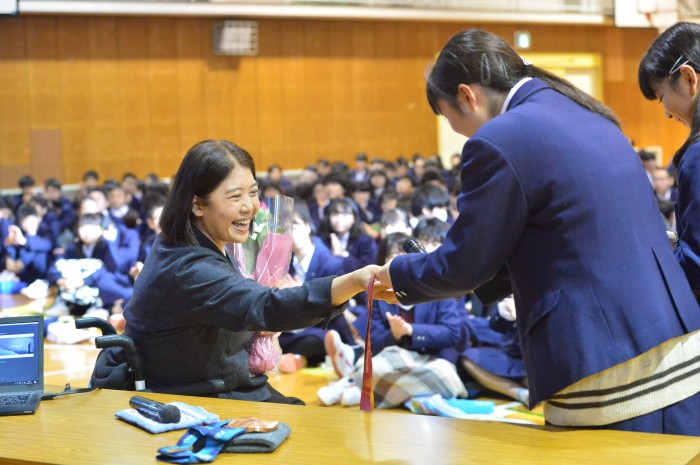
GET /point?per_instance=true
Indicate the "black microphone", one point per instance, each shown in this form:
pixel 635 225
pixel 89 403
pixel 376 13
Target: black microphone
pixel 156 411
pixel 413 245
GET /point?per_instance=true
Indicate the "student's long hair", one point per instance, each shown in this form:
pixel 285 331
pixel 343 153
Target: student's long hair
pixel 341 205
pixel 677 44
pixel 475 56
pixel 204 167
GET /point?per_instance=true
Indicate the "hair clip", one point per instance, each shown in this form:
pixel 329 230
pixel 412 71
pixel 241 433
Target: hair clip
pixel 677 65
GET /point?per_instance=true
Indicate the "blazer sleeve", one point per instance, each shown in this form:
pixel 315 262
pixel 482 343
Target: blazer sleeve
pixel 492 217
pixel 439 331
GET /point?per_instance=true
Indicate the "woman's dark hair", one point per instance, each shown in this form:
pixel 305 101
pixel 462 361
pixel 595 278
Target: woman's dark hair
pixel 475 56
pixel 204 167
pixel 676 46
pixel 390 243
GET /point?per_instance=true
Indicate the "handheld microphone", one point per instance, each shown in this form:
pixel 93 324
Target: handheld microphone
pixel 156 411
pixel 413 245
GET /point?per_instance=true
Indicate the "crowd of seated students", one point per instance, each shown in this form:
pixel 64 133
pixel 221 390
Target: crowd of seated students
pixel 90 248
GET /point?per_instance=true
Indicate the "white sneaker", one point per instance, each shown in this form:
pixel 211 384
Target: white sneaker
pixel 351 396
pixel 341 354
pixel 331 394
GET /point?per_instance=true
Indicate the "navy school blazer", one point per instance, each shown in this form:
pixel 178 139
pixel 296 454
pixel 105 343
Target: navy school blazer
pixel 556 205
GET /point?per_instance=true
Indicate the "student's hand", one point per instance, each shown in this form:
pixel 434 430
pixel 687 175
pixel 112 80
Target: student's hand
pixel 135 270
pixel 15 236
pixel 399 327
pixel 382 275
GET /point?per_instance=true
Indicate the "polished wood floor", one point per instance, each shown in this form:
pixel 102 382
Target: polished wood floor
pixel 73 363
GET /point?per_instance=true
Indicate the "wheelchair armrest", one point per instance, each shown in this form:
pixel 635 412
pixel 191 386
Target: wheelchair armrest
pixel 92 322
pixel 196 388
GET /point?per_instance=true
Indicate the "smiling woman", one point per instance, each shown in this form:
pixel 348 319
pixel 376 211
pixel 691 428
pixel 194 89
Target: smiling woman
pixel 193 313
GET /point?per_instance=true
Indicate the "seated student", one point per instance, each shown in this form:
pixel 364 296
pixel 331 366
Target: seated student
pixel 275 176
pixel 154 207
pixel 393 221
pixel 414 349
pixel 101 274
pixel 193 313
pixel 341 231
pixel 26 184
pixel 430 201
pixel 269 189
pixel 59 206
pixel 120 210
pixel 318 203
pixel 494 358
pixel 130 184
pixel 369 209
pixel 311 259
pixel 90 181
pixel 124 241
pixel 360 173
pixel 28 253
pixel 379 181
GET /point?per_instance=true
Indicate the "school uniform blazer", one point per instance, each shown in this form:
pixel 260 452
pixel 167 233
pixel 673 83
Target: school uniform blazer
pixel 192 314
pixel 555 195
pixel 437 329
pixel 688 216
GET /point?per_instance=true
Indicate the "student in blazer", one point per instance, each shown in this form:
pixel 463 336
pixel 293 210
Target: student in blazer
pixel 555 208
pixel 670 73
pixel 192 312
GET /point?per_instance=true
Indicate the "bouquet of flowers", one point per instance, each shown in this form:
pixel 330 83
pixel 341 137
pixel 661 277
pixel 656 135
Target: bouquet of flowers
pixel 265 257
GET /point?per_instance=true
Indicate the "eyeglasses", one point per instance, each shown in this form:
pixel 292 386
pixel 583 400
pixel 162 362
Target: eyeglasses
pixel 677 65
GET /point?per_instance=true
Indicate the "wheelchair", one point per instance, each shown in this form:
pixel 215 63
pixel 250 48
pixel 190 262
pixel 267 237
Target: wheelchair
pixel 119 365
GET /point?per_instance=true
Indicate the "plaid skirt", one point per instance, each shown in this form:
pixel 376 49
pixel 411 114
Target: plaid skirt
pixel 399 374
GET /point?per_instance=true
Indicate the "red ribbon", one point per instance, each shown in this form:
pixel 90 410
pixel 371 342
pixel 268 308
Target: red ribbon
pixel 367 396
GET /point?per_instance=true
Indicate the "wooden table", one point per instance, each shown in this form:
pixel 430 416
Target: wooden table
pixel 82 429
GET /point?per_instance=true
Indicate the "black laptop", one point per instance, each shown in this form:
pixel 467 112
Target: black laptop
pixel 21 364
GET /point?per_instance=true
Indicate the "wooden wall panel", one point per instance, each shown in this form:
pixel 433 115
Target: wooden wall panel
pixel 134 93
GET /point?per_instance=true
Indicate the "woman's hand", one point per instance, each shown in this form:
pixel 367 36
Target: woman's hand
pixel 381 291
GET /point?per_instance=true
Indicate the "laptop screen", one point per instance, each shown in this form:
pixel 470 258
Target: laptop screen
pixel 21 353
